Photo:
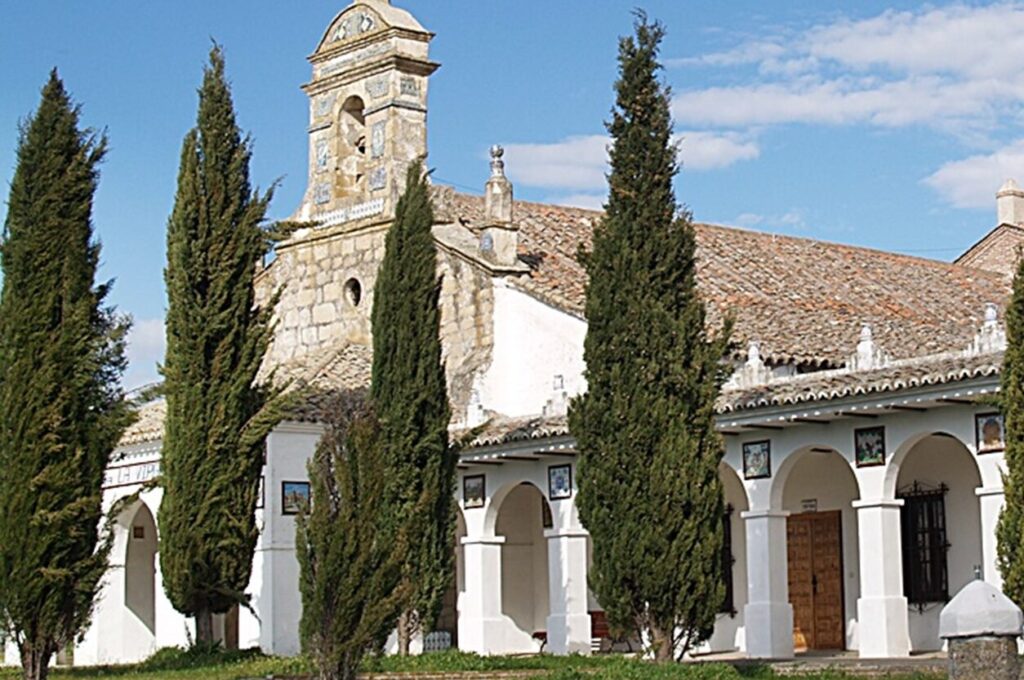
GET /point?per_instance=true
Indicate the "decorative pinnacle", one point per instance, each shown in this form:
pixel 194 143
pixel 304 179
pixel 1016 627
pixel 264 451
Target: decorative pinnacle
pixel 497 165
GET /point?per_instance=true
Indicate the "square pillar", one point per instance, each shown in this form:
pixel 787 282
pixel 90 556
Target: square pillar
pixel 990 504
pixel 882 618
pixel 767 616
pixel 481 627
pixel 568 624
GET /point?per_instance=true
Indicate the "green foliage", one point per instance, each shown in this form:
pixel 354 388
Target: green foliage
pixel 61 405
pixel 349 544
pixel 411 397
pixel 649 494
pixel 1010 530
pixel 217 417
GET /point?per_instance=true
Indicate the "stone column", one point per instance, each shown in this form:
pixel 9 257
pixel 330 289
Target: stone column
pixel 882 618
pixel 990 502
pixel 568 624
pixel 480 621
pixel 767 616
pixel 982 627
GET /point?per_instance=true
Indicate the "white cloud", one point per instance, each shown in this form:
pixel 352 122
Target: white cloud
pixel 575 163
pixel 955 68
pixel 579 163
pixel 972 182
pixel 699 150
pixel 588 201
pixel 146 343
pixel 789 221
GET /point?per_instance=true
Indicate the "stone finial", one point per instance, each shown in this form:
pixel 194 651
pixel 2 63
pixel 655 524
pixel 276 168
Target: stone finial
pixel 558 404
pixel 868 355
pixel 991 337
pixel 497 165
pixel 1010 203
pixel 753 372
pixel 475 414
pixel 500 239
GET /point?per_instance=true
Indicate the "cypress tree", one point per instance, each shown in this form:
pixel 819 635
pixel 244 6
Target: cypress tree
pixel 350 556
pixel 217 417
pixel 61 405
pixel 1010 530
pixel 410 393
pixel 649 492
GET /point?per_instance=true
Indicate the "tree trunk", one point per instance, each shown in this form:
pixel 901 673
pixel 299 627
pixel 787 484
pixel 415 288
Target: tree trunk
pixel 35 661
pixel 204 627
pixel 662 643
pixel 404 624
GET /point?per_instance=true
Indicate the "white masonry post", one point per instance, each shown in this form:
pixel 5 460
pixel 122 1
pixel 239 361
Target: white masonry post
pixel 882 608
pixel 990 503
pixel 767 616
pixel 481 627
pixel 982 627
pixel 568 625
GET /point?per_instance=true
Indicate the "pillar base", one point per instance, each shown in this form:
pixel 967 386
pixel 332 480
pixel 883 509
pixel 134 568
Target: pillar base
pixel 769 630
pixel 568 634
pixel 883 625
pixel 481 636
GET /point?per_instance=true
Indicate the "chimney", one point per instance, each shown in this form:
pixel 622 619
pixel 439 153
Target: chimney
pixel 500 239
pixel 1010 204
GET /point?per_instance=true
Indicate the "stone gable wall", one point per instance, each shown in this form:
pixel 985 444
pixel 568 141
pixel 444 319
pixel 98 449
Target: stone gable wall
pixel 315 314
pixel 997 252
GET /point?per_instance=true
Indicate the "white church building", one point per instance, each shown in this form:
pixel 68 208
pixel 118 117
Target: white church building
pixel 863 452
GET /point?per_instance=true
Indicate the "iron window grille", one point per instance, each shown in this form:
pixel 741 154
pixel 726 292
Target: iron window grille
pixel 728 560
pixel 925 544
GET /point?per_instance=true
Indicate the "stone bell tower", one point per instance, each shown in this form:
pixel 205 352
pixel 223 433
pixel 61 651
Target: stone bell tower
pixel 368 113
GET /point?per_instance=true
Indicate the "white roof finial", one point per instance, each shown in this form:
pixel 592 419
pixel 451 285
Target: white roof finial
pixel 1010 203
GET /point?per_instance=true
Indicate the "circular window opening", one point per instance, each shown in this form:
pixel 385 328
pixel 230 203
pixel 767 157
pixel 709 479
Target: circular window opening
pixel 353 292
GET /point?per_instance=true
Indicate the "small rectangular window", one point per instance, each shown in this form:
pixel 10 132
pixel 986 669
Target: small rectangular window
pixel 923 525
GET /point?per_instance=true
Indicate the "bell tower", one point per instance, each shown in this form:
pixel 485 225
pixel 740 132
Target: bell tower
pixel 368 113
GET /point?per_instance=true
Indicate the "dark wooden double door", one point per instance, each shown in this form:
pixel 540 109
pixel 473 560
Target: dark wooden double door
pixel 815 551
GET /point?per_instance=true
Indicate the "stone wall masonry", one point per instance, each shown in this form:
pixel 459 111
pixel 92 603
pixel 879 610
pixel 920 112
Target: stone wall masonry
pixel 315 310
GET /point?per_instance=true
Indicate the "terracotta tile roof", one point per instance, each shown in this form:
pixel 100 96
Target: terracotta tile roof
pixel 804 300
pixel 509 430
pixel 929 371
pixel 346 366
pixel 149 426
pixel 998 251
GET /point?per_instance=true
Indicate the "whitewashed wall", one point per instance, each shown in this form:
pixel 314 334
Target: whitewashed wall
pixel 533 342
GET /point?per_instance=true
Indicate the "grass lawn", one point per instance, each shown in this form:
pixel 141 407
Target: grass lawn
pixel 174 664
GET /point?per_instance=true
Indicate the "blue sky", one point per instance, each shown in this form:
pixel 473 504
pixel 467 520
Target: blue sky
pixel 888 125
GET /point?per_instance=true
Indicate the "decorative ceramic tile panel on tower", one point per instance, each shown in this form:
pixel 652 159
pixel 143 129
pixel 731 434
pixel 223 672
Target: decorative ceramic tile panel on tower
pixel 368 110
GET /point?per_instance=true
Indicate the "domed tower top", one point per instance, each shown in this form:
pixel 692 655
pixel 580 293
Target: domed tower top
pixel 368 113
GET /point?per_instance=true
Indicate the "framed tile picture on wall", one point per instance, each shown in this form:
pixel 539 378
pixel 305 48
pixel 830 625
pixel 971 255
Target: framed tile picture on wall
pixel 473 491
pixel 869 446
pixel 559 482
pixel 294 496
pixel 988 432
pixel 757 460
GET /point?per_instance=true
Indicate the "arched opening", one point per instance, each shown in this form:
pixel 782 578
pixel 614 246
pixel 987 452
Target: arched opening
pixel 446 633
pixel 140 568
pixel 818 490
pixel 351 147
pixel 940 530
pixel 728 635
pixel 524 566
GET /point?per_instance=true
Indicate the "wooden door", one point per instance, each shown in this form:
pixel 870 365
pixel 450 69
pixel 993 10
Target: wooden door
pixel 815 552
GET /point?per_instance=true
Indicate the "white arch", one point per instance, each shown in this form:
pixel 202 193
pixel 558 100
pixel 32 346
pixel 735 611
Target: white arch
pixel 789 463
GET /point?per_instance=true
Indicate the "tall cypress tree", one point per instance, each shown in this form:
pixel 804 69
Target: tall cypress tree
pixel 411 397
pixel 1010 530
pixel 349 552
pixel 217 418
pixel 649 492
pixel 61 405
